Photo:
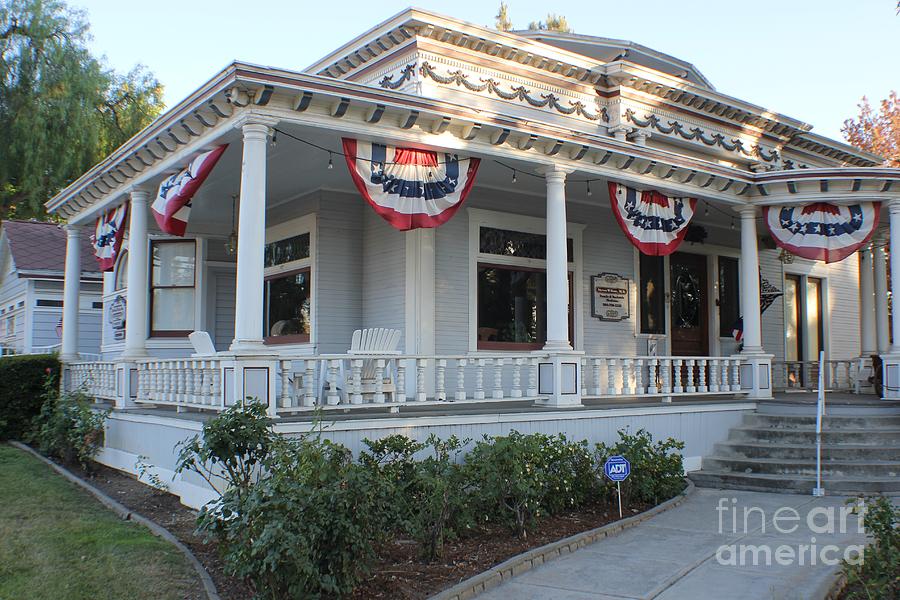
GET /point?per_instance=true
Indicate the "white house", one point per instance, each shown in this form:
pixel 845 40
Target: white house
pixel 32 261
pixel 520 299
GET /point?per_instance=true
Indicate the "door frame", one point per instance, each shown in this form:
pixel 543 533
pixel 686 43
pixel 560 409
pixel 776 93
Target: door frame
pixel 712 252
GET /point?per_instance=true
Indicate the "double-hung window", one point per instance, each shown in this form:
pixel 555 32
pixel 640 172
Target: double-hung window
pixel 512 289
pixel 287 297
pixel 172 287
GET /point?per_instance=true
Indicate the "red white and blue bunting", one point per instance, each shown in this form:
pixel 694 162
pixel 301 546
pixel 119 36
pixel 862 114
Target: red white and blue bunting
pixel 654 223
pixel 172 207
pixel 410 188
pixel 108 235
pixel 822 231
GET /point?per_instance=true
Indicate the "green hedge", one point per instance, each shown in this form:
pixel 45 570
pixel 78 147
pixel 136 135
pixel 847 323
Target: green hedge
pixel 22 386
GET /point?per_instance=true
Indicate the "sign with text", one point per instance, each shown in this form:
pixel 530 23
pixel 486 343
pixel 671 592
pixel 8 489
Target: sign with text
pixel 610 297
pixel 617 468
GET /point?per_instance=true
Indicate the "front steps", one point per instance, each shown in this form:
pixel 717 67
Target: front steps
pixel 774 450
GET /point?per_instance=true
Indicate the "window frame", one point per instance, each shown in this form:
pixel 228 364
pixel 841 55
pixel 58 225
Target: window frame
pixel 479 218
pixel 171 333
pixel 121 268
pixel 282 231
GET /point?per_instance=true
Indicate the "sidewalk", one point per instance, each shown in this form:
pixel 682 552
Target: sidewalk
pixel 678 555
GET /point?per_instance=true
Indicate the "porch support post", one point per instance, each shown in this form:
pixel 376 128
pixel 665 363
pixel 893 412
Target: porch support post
pixel 867 342
pixel 557 262
pixel 71 292
pixel 756 370
pixel 136 315
pixel 882 327
pixel 248 322
pixel 891 361
pixel 559 375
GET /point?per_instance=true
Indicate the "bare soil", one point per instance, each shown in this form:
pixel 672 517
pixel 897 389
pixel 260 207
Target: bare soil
pixel 398 574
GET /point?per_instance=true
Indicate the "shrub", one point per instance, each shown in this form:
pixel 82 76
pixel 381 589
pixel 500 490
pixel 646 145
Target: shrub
pixel 657 470
pixel 426 498
pixel 297 518
pixel 519 478
pixel 68 427
pixel 878 575
pixel 22 380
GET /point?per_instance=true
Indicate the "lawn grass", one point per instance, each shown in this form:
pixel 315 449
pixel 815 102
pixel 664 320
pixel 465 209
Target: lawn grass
pixel 57 542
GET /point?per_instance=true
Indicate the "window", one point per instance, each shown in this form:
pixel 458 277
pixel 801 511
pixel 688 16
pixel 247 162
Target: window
pixel 172 288
pixel 729 295
pixel 121 276
pixel 48 303
pixel 287 295
pixel 512 290
pixel 97 305
pixel 651 294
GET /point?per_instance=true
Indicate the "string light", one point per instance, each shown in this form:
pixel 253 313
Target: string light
pixel 275 138
pixel 732 223
pixel 330 161
pixel 589 193
pixel 514 179
pixel 706 209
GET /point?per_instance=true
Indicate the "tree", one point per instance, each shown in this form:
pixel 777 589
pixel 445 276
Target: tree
pixel 501 21
pixel 61 109
pixel 877 132
pixel 553 23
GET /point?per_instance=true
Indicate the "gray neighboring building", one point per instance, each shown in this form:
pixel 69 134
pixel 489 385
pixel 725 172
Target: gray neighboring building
pixel 32 261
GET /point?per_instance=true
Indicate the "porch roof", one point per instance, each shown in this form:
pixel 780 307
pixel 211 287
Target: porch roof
pixel 243 90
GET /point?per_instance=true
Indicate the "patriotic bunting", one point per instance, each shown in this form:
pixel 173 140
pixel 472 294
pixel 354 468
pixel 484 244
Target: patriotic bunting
pixel 172 206
pixel 822 231
pixel 654 223
pixel 410 188
pixel 108 235
pixel 768 293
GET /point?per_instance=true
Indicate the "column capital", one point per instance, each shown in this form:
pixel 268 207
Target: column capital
pixel 551 172
pixel 253 123
pixel 746 210
pixel 894 206
pixel 139 194
pixel 73 229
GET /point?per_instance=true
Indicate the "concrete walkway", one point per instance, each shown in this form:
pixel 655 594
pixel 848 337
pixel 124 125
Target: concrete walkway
pixel 694 552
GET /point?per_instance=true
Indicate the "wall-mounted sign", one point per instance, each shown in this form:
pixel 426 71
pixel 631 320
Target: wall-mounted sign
pixel 115 316
pixel 610 297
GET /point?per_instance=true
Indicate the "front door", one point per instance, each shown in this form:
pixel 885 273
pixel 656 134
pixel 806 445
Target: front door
pixel 689 314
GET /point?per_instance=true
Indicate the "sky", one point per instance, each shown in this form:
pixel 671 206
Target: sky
pixel 809 60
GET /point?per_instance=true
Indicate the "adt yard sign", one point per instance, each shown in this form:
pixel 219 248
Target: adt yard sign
pixel 617 468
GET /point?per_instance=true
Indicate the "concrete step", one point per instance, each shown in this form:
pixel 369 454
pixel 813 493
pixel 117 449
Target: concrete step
pixel 806 451
pixel 830 422
pixel 806 405
pixel 807 435
pixel 865 469
pixel 793 484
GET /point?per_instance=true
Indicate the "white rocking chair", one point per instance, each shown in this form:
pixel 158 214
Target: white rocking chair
pixel 366 342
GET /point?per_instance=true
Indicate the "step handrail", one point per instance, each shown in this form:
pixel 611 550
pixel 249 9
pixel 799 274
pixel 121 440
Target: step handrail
pixel 820 412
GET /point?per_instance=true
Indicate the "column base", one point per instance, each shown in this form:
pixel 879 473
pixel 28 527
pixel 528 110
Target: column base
pixel 756 374
pixel 559 380
pixel 126 384
pixel 890 375
pixel 557 346
pixel 69 358
pixel 254 347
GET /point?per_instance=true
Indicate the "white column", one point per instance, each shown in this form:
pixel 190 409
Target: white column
pixel 71 293
pixel 557 262
pixel 867 338
pixel 894 208
pixel 882 327
pixel 248 322
pixel 750 282
pixel 136 317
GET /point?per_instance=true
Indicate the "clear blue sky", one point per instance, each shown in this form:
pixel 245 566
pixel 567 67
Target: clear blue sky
pixel 809 60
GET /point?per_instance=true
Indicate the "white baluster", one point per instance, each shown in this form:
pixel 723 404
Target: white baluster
pixel 479 379
pixel 736 376
pixel 440 392
pixel 517 378
pixel 676 367
pixel 460 379
pixel 497 392
pixel 691 383
pixel 626 377
pixel 596 390
pixel 421 364
pixel 533 377
pixel 309 383
pixel 665 367
pixel 653 387
pixel 701 374
pixel 378 398
pixel 611 376
pixel 401 381
pixel 356 367
pixel 639 377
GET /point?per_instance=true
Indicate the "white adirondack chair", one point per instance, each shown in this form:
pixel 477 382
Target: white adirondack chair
pixel 367 342
pixel 202 343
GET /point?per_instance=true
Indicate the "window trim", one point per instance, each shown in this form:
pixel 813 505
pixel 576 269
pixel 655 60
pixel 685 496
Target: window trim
pixel 306 224
pixel 300 338
pixel 124 256
pixel 171 333
pixel 513 222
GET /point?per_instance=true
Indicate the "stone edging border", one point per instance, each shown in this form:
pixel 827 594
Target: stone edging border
pixel 526 561
pixel 128 515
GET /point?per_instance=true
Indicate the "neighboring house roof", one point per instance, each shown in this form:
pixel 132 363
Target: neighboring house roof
pixel 38 249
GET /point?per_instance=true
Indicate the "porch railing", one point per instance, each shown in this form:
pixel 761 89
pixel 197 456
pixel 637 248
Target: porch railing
pixel 666 376
pixel 94 378
pixel 840 375
pixel 185 382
